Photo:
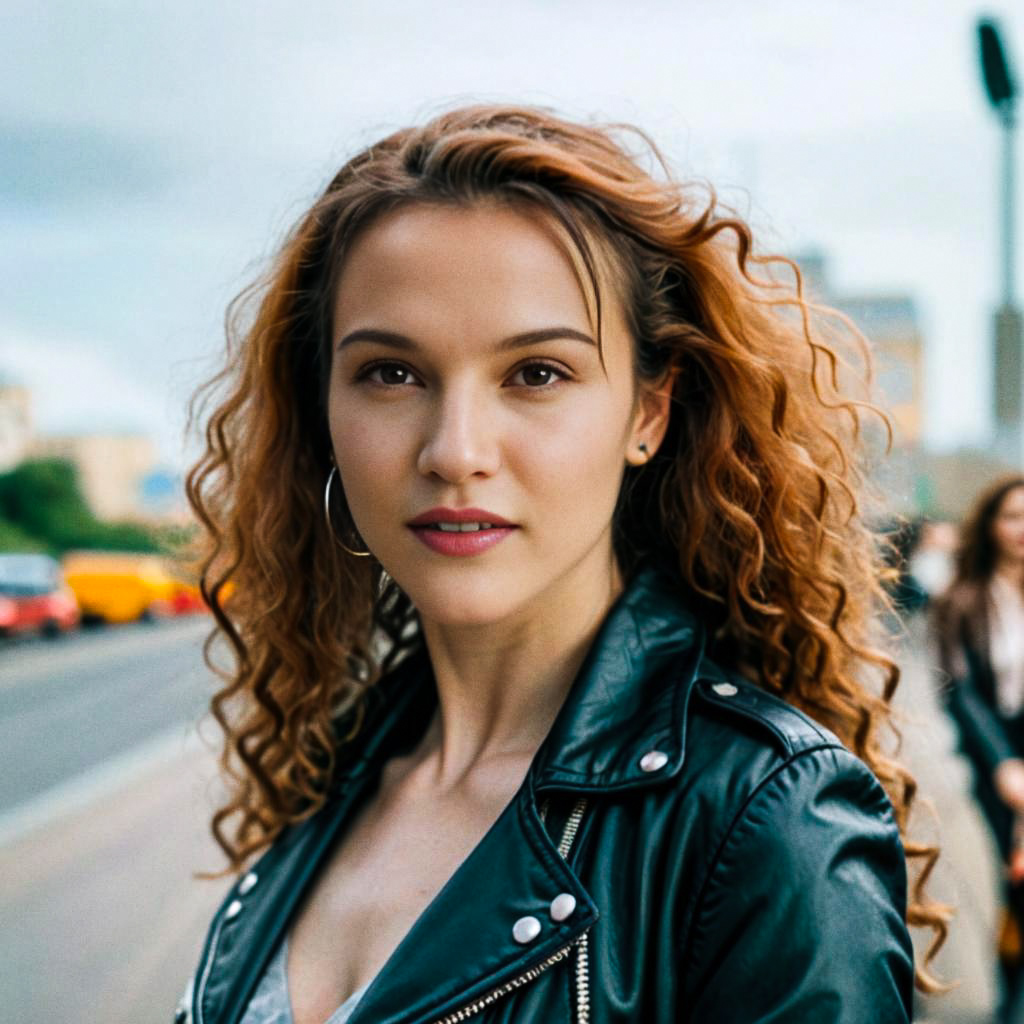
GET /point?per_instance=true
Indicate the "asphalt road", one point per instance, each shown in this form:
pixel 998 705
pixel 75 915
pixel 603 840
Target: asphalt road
pixel 71 704
pixel 110 791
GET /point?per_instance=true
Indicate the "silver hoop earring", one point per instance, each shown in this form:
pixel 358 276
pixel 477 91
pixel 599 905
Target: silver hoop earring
pixel 327 515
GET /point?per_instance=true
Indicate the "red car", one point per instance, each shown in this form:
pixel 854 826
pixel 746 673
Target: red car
pixel 34 596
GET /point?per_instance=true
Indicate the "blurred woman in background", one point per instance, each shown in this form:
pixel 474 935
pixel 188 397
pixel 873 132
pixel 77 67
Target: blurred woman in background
pixel 979 634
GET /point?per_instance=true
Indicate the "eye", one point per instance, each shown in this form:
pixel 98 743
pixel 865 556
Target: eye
pixel 538 376
pixel 386 374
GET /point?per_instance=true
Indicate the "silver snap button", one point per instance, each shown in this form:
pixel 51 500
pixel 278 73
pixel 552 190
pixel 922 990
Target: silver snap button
pixel 525 930
pixel 562 906
pixel 234 909
pixel 246 884
pixel 653 761
pixel 725 689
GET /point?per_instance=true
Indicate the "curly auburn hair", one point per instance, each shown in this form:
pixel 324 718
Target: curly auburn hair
pixel 756 495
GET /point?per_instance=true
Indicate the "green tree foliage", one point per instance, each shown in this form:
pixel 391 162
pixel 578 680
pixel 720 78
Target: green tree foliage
pixel 12 538
pixel 41 502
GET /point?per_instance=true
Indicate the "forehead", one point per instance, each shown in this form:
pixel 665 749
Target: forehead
pixel 514 267
pixel 1013 501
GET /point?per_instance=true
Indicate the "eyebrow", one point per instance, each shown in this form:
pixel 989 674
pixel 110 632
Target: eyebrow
pixel 395 340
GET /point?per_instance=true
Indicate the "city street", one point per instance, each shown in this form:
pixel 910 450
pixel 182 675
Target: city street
pixel 106 791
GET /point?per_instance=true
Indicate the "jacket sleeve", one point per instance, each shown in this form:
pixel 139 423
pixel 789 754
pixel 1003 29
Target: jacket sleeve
pixel 982 736
pixel 802 914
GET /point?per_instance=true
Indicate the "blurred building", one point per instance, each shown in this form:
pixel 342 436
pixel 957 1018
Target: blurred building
pixel 890 323
pixel 955 479
pixel 119 474
pixel 942 485
pixel 814 274
pixel 15 423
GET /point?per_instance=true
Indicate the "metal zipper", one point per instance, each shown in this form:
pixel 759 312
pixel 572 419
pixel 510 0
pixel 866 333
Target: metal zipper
pixel 582 981
pixel 572 826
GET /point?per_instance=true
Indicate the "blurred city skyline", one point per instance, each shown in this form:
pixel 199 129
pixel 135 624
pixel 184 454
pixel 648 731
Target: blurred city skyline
pixel 155 155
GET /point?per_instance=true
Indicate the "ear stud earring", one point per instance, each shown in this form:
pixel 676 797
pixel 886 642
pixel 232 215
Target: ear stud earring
pixel 642 448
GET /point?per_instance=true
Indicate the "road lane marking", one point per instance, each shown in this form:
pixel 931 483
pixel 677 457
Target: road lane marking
pixel 95 783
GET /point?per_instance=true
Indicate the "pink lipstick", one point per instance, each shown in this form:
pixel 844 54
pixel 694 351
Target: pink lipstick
pixel 460 532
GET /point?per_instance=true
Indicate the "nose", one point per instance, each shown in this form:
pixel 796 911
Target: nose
pixel 461 439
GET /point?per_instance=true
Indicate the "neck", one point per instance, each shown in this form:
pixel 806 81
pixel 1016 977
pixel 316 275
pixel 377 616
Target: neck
pixel 501 685
pixel 1011 570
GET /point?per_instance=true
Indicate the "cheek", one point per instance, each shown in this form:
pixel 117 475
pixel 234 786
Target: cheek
pixel 1009 533
pixel 573 465
pixel 367 450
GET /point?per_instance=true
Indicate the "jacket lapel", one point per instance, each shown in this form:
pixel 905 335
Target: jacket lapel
pixel 241 944
pixel 515 872
pixel 630 696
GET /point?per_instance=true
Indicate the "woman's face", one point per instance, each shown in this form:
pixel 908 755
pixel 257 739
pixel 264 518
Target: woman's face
pixel 465 375
pixel 1008 526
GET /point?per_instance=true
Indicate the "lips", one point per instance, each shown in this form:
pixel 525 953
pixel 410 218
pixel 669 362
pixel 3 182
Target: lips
pixel 458 532
pixel 439 514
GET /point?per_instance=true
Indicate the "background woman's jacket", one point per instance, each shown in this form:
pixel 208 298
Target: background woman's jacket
pixel 960 627
pixel 727 858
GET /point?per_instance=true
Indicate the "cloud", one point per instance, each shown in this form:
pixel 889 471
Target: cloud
pixel 52 163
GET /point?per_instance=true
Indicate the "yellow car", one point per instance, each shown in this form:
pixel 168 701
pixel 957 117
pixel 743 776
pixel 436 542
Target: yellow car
pixel 118 587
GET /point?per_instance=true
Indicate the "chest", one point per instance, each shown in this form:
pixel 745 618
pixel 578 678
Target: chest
pixel 398 853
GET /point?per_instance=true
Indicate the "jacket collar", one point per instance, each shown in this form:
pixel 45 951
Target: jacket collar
pixel 629 697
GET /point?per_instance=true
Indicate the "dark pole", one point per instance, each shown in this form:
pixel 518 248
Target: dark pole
pixel 1008 212
pixel 1009 357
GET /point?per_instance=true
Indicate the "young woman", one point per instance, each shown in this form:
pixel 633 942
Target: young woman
pixel 979 632
pixel 553 627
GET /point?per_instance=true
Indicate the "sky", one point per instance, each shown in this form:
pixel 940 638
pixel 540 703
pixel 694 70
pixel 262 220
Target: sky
pixel 153 155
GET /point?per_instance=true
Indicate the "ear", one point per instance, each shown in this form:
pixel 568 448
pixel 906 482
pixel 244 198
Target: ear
pixel 650 420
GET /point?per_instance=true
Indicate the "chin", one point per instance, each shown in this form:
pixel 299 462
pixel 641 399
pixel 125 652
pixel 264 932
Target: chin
pixel 446 614
pixel 455 599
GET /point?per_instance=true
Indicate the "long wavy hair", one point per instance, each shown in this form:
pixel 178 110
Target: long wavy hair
pixel 978 552
pixel 757 496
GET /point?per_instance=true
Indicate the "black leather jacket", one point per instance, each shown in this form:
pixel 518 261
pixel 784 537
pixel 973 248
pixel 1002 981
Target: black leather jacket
pixel 685 847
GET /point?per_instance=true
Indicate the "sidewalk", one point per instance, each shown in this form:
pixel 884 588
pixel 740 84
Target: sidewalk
pixel 966 874
pixel 106 919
